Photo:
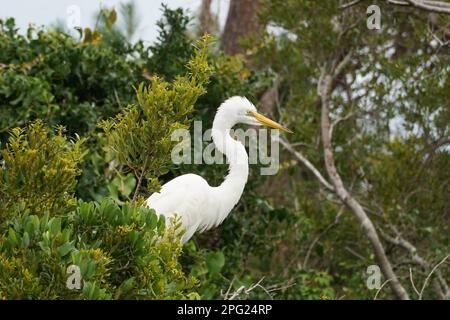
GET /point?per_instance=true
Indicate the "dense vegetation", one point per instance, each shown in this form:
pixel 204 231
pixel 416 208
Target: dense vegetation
pixel 85 129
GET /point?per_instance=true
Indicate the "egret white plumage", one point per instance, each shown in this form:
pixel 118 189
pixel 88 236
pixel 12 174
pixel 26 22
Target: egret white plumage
pixel 199 205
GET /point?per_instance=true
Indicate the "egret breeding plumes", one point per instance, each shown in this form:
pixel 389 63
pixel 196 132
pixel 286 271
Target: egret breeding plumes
pixel 199 205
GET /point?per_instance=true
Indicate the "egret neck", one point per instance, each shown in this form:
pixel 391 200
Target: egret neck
pixel 232 187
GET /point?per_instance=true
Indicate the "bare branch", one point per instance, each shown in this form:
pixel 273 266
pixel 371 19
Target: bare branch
pixel 346 198
pixel 356 254
pixel 381 288
pixel 337 121
pixel 244 291
pixel 300 157
pixel 313 243
pixel 350 4
pixel 429 275
pixel 440 285
pixel 427 5
pixel 342 65
pixel 138 186
pixel 412 282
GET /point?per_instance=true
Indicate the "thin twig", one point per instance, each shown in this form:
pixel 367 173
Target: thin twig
pixel 429 275
pixel 382 286
pixel 349 4
pixel 338 120
pixel 412 281
pixel 441 286
pixel 313 243
pixel 138 186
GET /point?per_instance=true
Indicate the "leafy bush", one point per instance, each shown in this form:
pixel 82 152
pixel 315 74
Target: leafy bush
pixel 49 75
pixel 39 170
pixel 173 48
pixel 141 136
pixel 122 253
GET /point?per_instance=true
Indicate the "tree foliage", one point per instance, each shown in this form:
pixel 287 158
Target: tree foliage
pixel 66 195
pixel 49 75
pixel 141 136
pixel 116 249
pixel 39 170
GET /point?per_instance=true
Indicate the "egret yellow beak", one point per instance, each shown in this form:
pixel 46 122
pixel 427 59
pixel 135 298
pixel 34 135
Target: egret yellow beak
pixel 266 121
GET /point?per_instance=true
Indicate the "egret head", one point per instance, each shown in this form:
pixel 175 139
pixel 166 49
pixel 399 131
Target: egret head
pixel 240 110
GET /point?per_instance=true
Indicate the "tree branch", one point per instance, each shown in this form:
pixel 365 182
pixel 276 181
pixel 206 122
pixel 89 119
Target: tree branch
pixel 430 274
pixel 325 89
pixel 300 157
pixel 314 242
pixel 338 120
pixel 349 4
pixel 427 5
pixel 440 285
pixel 138 186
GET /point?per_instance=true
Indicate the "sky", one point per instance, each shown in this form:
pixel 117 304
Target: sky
pixel 47 12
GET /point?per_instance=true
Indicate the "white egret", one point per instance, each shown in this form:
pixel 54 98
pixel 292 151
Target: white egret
pixel 199 205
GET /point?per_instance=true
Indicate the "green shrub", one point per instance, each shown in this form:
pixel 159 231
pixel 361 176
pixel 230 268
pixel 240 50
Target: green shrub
pixel 140 137
pixel 52 76
pixel 39 170
pixel 122 252
pixel 169 55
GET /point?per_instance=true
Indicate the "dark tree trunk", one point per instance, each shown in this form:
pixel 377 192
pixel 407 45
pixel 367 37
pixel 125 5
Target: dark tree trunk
pixel 205 17
pixel 241 20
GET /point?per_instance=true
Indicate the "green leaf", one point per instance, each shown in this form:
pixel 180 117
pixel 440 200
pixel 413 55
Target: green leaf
pixel 12 236
pixel 32 224
pixel 111 19
pixel 127 185
pixel 90 270
pixel 215 261
pixel 152 220
pixel 25 240
pixel 90 290
pixel 66 248
pixel 161 224
pixel 125 287
pixel 54 226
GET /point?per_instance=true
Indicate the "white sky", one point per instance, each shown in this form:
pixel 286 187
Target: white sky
pixel 47 12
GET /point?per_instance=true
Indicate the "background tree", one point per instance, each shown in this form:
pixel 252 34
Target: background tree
pixel 325 80
pixel 241 20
